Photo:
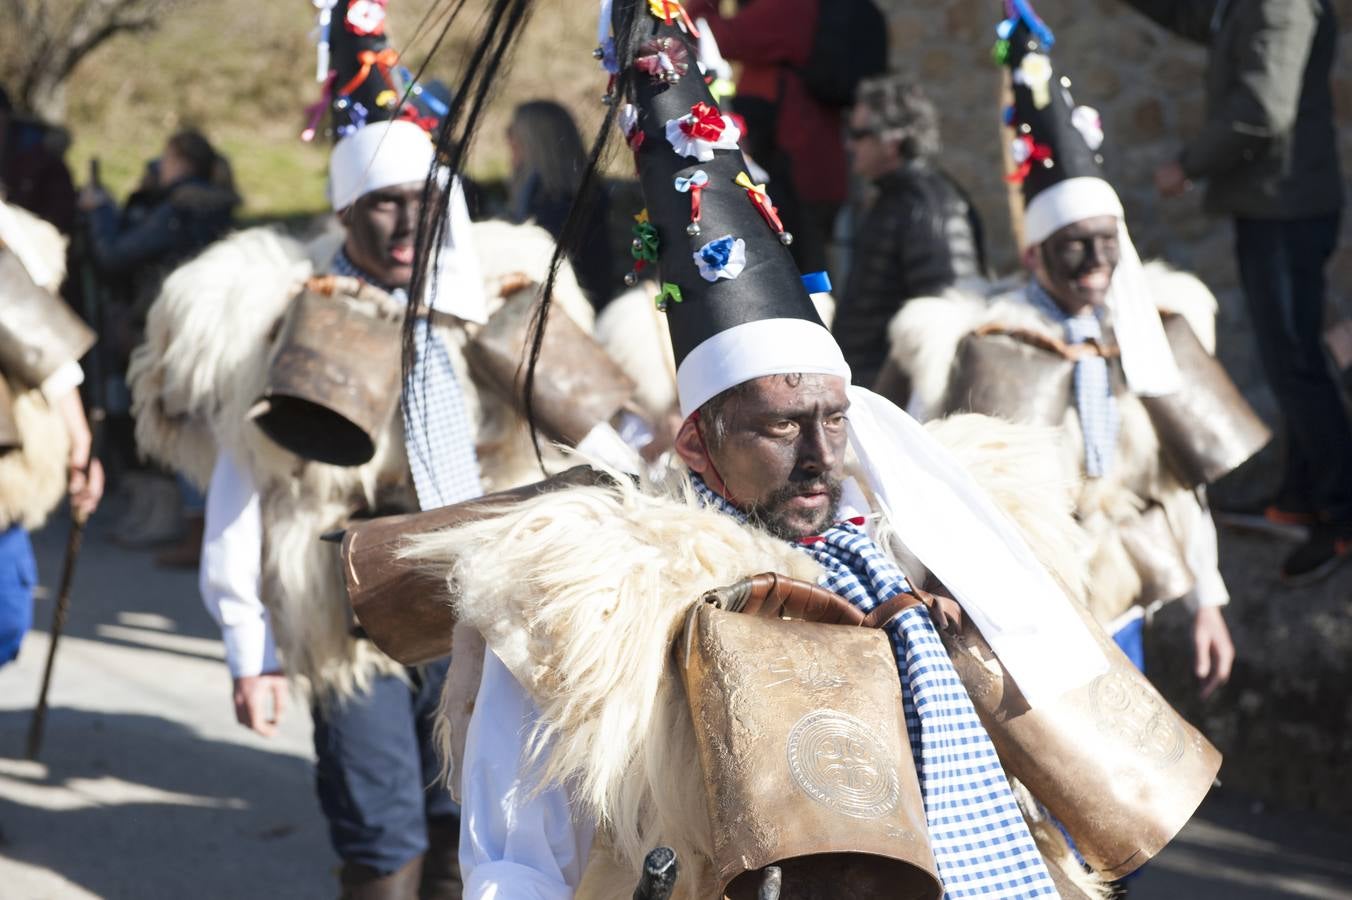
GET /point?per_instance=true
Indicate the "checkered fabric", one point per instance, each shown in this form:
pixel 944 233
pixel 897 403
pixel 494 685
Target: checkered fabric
pixel 1100 419
pixel 438 432
pixel 981 843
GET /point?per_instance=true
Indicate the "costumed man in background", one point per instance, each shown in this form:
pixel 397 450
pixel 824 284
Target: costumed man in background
pixel 920 233
pixel 45 441
pixel 1082 347
pixel 575 756
pixel 279 392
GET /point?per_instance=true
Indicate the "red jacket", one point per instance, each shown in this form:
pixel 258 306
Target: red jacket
pixel 773 38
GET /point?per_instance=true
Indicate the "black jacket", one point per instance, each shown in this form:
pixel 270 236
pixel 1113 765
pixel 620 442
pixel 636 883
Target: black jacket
pixel 1268 148
pixel 148 245
pixel 920 235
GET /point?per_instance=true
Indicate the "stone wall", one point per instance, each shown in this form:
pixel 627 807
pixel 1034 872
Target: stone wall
pixel 1285 721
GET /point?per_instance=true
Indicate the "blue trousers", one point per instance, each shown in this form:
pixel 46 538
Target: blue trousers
pixel 18 576
pixel 377 769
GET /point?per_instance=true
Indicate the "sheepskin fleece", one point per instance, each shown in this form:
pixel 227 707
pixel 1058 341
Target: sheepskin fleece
pixel 33 477
pixel 203 366
pixel 47 244
pixel 206 330
pixel 587 589
pixel 924 340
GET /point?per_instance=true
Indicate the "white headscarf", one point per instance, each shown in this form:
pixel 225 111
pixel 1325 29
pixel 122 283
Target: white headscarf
pixel 387 154
pixel 1147 361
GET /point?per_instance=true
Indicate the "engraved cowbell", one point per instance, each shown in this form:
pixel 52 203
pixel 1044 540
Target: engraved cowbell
pixel 806 761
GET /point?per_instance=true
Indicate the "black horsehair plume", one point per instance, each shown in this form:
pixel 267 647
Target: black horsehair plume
pixel 488 61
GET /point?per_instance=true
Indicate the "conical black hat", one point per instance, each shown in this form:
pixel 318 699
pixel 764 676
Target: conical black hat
pixel 666 86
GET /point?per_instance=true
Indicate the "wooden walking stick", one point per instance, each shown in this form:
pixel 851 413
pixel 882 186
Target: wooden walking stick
pixel 73 543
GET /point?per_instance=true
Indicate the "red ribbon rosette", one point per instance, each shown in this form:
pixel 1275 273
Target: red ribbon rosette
pixel 705 123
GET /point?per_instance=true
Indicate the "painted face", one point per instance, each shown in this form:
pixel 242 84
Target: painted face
pixel 781 455
pixel 870 156
pixel 1076 264
pixel 381 227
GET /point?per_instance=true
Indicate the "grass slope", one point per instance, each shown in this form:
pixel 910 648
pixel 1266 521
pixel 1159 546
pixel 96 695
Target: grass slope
pixel 243 71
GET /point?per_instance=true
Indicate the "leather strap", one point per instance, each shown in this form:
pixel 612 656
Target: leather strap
pixel 1050 343
pixel 774 596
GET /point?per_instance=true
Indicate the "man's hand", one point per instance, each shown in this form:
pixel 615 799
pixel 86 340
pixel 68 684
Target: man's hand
pixel 1171 180
pixel 92 198
pixel 1215 652
pixel 86 488
pixel 260 701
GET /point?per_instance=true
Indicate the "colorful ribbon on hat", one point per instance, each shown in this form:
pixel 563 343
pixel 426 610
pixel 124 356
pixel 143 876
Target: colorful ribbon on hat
pixel 667 9
pixel 693 185
pixel 315 112
pixel 758 196
pixel 384 60
pixel 1026 152
pixel 704 123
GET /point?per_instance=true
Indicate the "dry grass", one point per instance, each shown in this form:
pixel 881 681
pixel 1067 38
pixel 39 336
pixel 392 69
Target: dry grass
pixel 243 71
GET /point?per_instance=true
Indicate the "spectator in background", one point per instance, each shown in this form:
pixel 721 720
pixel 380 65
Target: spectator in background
pixel 195 206
pixel 186 201
pixel 1268 152
pixel 919 235
pixel 32 173
pixel 795 137
pixel 548 160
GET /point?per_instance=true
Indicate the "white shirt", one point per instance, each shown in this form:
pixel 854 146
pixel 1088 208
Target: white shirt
pixel 516 842
pixel 232 569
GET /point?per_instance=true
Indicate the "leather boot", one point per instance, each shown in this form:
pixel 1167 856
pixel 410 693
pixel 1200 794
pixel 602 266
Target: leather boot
pixel 365 883
pixel 441 866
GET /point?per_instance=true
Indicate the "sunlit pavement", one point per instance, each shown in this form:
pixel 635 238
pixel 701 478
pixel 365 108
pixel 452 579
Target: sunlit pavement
pixel 148 790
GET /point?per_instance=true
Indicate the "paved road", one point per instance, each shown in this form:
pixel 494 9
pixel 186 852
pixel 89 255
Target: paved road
pixel 147 789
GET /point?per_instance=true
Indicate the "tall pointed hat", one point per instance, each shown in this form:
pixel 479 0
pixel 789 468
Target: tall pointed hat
pixel 736 305
pixel 1056 147
pixel 739 310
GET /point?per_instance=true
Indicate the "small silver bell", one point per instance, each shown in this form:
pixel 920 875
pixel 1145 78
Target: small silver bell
pixel 599 53
pixel 785 238
pixel 631 278
pixel 692 229
pixel 1047 163
pixel 607 99
pixel 636 244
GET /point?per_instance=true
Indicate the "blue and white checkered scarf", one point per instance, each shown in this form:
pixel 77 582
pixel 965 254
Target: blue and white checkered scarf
pixel 1100 419
pixel 438 431
pixel 981 843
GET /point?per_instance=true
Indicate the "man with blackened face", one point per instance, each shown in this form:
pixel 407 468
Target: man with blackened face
pixel 1075 265
pixel 774 447
pixel 381 227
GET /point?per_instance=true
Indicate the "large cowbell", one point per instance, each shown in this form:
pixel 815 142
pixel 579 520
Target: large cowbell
pixel 333 378
pixel 1207 428
pixel 38 332
pixel 807 765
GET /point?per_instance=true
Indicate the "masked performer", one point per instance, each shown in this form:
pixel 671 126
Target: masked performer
pixel 1082 346
pixel 44 436
pixel 271 372
pixel 584 738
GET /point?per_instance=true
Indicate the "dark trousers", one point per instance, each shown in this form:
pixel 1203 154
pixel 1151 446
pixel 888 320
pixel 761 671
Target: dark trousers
pixel 1281 265
pixel 377 769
